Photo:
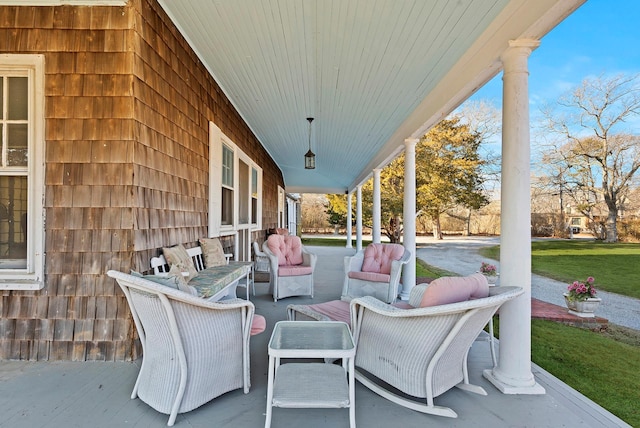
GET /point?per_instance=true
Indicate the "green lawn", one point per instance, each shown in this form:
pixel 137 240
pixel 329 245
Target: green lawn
pixel 601 368
pixel 614 266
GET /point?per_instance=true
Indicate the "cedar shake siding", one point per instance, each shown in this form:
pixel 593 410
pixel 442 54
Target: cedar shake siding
pixel 127 111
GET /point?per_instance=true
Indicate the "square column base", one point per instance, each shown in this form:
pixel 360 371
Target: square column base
pixel 533 389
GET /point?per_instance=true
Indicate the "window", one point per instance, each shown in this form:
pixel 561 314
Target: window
pixel 227 185
pixel 235 185
pixel 21 171
pixel 254 196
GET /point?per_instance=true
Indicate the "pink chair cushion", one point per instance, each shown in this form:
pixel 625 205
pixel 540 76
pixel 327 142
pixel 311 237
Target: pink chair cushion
pixel 288 249
pixel 258 325
pixel 454 289
pixel 370 276
pixel 337 310
pixel 378 257
pixel 294 270
pixel 402 305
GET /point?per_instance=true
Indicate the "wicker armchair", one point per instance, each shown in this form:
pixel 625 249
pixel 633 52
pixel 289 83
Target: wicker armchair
pixel 291 266
pixel 422 351
pixel 193 350
pixel 374 271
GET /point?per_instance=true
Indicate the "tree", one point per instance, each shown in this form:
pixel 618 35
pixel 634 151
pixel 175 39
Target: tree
pixel 448 176
pixel 449 173
pixel 336 210
pixel 601 155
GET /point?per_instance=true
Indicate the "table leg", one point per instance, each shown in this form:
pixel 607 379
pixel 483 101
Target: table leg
pixel 352 394
pixel 267 422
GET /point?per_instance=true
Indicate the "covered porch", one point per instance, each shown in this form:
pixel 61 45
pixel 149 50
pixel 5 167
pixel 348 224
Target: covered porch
pixel 97 393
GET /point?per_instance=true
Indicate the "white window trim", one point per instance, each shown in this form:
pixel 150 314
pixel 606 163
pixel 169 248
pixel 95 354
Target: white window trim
pixel 216 228
pixel 31 278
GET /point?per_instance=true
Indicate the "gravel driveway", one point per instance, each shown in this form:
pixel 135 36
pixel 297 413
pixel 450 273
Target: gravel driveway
pixel 460 255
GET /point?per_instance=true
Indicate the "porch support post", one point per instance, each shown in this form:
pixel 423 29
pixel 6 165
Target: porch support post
pixel 358 218
pixel 513 373
pixel 375 232
pixel 349 220
pixel 409 217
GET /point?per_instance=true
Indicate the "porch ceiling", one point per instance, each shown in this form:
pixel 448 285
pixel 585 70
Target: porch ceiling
pixel 371 72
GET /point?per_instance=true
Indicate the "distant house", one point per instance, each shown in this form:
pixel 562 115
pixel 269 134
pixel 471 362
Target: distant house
pixel 116 142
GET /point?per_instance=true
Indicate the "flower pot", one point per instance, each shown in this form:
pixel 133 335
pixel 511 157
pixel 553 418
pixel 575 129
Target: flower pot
pixel 491 279
pixel 582 308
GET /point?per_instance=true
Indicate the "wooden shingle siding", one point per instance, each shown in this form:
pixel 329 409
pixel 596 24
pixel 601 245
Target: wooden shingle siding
pixel 127 107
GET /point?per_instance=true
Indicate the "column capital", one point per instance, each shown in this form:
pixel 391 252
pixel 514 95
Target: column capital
pixel 514 58
pixel 411 141
pixel 524 43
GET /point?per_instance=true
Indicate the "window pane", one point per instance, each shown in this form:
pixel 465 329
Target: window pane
pixel 13 222
pixel 1 97
pixel 254 182
pixel 254 210
pixel 243 174
pixel 227 206
pixel 18 98
pixel 227 166
pixel 17 145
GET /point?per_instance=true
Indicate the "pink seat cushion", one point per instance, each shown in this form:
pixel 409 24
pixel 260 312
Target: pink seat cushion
pixel 370 276
pixel 258 324
pixel 378 257
pixel 287 248
pixel 402 305
pixel 454 289
pixel 337 310
pixel 294 270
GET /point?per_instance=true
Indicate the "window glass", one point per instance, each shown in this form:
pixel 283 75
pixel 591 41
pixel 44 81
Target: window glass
pixel 13 222
pixel 227 185
pixel 18 108
pixel 243 184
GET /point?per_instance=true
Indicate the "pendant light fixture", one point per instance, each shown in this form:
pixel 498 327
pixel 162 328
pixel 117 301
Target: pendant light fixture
pixel 310 157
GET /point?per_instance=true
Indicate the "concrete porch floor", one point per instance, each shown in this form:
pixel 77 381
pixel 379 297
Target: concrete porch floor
pixel 96 394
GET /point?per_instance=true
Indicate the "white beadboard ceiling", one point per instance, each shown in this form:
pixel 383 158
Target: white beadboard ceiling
pixel 371 72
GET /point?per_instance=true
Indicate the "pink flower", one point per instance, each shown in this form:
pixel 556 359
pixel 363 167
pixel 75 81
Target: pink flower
pixel 582 290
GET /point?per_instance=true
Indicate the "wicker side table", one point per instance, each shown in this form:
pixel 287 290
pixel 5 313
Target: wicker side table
pixel 332 386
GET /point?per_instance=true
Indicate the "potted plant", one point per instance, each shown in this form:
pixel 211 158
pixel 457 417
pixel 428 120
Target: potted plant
pixel 581 298
pixel 490 272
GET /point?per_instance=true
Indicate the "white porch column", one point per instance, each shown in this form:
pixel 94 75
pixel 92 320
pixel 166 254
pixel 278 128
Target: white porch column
pixel 513 373
pixel 358 218
pixel 349 220
pixel 409 217
pixel 375 232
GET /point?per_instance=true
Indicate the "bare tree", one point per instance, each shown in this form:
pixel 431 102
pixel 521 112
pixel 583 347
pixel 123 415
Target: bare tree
pixel 599 151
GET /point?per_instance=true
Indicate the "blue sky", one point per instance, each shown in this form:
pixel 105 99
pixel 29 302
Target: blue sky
pixel 601 37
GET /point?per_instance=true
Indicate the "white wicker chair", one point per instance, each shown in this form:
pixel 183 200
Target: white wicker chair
pixel 290 285
pixel 385 291
pixel 423 351
pixel 193 350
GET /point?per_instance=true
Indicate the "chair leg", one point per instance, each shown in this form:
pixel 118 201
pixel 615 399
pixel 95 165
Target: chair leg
pixel 418 407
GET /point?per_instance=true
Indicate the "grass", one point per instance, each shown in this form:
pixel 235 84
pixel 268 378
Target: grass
pixel 614 266
pixel 604 366
pixel 603 369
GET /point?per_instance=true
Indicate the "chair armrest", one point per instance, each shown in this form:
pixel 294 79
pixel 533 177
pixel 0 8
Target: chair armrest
pixel 497 296
pixel 415 298
pixel 354 263
pixel 273 259
pixel 228 256
pixel 309 258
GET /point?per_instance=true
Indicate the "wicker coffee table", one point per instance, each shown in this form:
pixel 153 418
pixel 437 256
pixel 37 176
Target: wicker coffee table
pixel 311 385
